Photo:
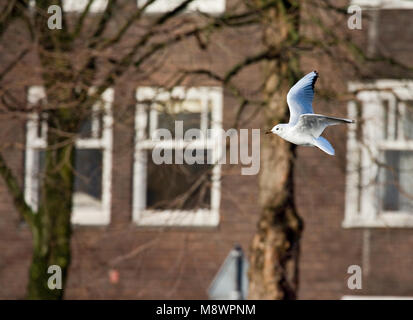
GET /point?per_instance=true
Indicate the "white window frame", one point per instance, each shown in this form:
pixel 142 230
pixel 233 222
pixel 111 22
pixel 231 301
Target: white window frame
pixel 80 5
pixel 362 210
pixel 383 4
pixel 199 217
pixel 213 7
pixel 80 215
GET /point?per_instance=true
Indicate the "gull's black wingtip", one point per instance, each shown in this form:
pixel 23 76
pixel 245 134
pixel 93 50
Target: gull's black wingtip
pixel 314 79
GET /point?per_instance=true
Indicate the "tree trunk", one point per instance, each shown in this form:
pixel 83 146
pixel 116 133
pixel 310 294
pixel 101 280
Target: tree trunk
pixel 275 247
pixel 52 229
pixel 52 223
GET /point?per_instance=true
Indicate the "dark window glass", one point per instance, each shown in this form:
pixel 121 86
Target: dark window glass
pixel 85 130
pixel 397 181
pixel 42 120
pixel 86 126
pixel 187 111
pixel 39 165
pixel 189 121
pixel 386 118
pixel 408 120
pixel 88 174
pixel 178 186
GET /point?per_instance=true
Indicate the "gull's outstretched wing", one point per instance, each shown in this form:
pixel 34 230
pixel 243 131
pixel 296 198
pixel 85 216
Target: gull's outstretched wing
pixel 300 97
pixel 315 124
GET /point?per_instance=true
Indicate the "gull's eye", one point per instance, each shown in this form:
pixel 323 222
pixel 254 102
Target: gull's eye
pixel 276 129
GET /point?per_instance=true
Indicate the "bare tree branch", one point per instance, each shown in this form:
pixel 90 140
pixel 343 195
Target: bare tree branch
pixel 16 192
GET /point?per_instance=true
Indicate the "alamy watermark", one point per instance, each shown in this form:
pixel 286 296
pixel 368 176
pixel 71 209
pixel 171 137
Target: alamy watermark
pixel 355 280
pixel 55 20
pixel 355 20
pixel 55 280
pixel 195 146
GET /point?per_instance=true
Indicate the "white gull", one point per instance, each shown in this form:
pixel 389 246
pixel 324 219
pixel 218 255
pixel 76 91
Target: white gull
pixel 305 127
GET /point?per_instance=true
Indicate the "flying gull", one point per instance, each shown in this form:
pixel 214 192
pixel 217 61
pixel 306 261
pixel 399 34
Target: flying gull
pixel 305 127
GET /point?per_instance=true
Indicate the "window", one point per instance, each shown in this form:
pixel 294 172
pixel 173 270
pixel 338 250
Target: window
pixel 93 160
pixel 380 155
pixel 384 4
pixel 178 193
pixel 205 6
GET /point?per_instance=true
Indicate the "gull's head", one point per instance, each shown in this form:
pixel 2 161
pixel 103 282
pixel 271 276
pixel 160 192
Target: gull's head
pixel 279 129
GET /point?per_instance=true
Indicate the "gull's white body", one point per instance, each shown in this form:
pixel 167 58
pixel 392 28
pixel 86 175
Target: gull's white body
pixel 294 135
pixel 305 127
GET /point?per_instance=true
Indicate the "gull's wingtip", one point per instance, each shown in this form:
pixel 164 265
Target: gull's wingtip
pixel 315 77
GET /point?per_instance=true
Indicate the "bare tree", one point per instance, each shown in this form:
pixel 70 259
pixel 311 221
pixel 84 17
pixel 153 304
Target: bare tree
pixel 81 56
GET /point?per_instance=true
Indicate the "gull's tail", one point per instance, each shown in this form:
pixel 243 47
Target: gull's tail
pixel 324 145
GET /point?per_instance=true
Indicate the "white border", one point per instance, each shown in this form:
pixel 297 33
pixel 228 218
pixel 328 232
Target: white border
pixel 80 215
pixel 349 297
pixel 201 217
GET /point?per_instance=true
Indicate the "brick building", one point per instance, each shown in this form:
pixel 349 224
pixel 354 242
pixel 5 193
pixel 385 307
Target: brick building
pixel 121 250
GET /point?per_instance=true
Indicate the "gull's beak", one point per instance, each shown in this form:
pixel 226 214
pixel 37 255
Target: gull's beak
pixel 268 132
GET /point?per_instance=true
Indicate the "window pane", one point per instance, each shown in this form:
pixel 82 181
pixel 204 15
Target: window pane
pixel 88 176
pixel 408 120
pixel 397 181
pixel 38 175
pixel 190 120
pixel 91 126
pixel 209 116
pixel 85 130
pixel 188 111
pixel 385 118
pixel 41 125
pixel 178 186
